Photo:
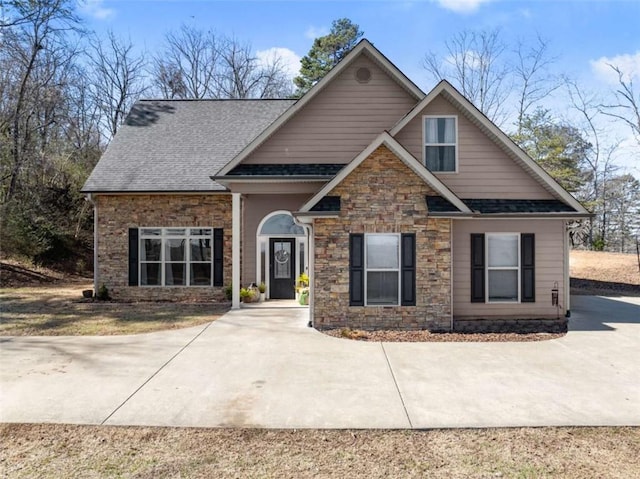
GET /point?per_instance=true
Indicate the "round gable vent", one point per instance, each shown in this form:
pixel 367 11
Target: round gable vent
pixel 363 75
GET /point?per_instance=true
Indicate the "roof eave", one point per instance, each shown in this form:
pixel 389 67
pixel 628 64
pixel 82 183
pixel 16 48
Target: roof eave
pixel 315 214
pixel 272 179
pixel 153 192
pixel 560 215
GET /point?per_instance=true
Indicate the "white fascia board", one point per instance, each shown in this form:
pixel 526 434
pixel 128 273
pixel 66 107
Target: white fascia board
pixel 363 45
pixel 468 107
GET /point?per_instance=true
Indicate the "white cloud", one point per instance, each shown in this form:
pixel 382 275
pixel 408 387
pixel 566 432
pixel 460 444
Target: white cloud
pixel 95 9
pixel 314 32
pixel 288 59
pixel 629 65
pixel 461 6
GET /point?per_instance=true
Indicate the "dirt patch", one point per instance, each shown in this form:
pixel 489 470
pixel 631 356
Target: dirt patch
pixel 15 274
pixel 142 452
pixel 605 274
pixel 427 336
pixel 59 309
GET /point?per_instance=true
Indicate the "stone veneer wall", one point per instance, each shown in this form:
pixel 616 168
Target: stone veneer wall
pixel 383 195
pixel 118 213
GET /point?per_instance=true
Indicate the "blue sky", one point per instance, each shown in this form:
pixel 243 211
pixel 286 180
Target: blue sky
pixel 583 35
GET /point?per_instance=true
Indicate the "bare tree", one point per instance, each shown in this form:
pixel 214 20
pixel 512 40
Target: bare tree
pixel 39 32
pixel 627 106
pixel 187 66
pixel 118 80
pixel 532 76
pixel 599 160
pixel 198 64
pixel 242 75
pixel 474 64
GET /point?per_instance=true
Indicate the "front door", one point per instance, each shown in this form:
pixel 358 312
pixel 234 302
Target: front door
pixel 282 254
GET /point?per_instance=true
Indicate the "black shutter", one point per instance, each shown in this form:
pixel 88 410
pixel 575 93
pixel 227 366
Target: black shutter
pixel 477 268
pixel 527 267
pixel 218 259
pixel 408 269
pixel 356 270
pixel 133 256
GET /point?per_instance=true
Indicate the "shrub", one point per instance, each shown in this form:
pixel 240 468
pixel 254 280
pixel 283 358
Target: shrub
pixel 228 292
pixel 103 293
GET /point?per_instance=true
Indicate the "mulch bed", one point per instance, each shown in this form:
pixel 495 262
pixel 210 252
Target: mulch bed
pixel 427 336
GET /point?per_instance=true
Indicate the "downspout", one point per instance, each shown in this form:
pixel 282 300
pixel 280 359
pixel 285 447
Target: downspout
pixel 95 242
pixel 567 280
pixel 308 227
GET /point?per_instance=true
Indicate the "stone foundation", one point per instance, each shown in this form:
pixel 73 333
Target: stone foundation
pixel 118 213
pixel 383 195
pixel 556 325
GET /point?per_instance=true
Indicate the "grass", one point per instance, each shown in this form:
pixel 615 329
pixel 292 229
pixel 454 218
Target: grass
pixel 100 451
pixel 605 274
pixel 59 309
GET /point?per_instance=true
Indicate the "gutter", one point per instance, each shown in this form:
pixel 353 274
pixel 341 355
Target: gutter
pixel 271 178
pixel 512 215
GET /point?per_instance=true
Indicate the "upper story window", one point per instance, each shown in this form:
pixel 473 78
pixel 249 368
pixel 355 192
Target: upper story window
pixel 441 143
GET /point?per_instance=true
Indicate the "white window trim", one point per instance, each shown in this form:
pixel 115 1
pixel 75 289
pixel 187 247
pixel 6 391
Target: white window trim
pixel 425 144
pixel 367 270
pixel 165 236
pixel 501 268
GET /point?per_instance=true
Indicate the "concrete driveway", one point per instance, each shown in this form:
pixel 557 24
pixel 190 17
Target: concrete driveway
pixel 264 368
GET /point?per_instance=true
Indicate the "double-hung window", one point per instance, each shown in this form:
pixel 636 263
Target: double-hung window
pixel 382 268
pixel 440 143
pixel 176 256
pixel 503 267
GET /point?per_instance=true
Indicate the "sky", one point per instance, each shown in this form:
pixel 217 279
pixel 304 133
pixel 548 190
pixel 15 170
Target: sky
pixel 583 35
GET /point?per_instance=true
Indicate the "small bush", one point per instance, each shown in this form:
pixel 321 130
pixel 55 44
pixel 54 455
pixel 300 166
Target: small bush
pixel 262 287
pixel 228 292
pixel 103 293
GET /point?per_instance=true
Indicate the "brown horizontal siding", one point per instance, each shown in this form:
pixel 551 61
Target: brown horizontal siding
pixel 255 208
pixel 484 169
pixel 340 121
pixel 549 267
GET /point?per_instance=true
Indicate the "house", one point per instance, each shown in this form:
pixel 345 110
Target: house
pixel 408 210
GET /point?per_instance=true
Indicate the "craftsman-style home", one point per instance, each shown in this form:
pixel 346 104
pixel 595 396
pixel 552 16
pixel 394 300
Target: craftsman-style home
pixel 407 210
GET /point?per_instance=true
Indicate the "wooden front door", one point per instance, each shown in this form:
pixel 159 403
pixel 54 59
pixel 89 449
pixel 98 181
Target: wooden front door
pixel 282 268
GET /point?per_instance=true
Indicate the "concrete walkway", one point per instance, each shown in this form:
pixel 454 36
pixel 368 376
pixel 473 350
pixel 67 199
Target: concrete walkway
pixel 263 367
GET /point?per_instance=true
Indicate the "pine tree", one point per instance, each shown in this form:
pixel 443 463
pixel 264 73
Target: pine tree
pixel 326 52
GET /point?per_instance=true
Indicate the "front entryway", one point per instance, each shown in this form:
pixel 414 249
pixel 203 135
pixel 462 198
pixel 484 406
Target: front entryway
pixel 282 254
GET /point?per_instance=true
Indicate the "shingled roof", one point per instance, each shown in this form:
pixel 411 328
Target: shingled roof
pixel 437 204
pixel 175 145
pixel 293 169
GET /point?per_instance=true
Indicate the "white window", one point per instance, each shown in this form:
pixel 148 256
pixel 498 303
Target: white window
pixel 382 269
pixel 176 256
pixel 440 143
pixel 503 267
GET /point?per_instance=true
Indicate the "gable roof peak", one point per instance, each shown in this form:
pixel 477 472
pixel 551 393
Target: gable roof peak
pixel 499 137
pixel 385 139
pixel 364 46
